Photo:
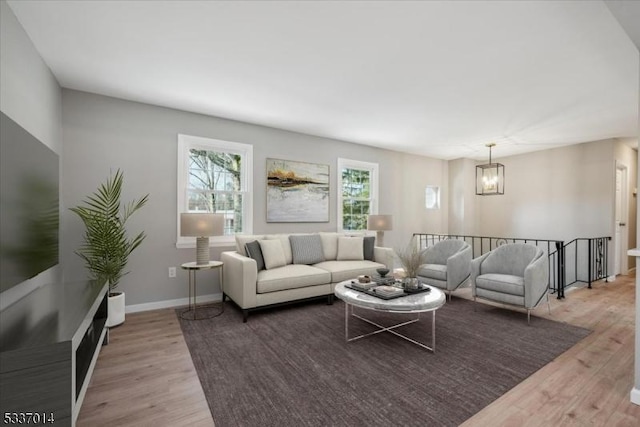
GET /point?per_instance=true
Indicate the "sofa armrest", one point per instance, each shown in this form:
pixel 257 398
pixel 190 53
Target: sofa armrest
pixel 458 268
pixel 384 256
pixel 476 265
pixel 240 278
pixel 536 280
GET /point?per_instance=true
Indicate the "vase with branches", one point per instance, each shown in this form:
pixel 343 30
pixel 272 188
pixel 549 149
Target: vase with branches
pixel 411 257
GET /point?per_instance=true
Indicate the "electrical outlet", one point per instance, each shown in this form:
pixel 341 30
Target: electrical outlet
pixel 172 272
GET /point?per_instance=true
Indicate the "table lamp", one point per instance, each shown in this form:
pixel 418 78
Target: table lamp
pixel 379 223
pixel 201 226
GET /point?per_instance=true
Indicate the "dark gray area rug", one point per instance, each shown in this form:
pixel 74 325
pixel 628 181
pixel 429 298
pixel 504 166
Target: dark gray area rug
pixel 291 366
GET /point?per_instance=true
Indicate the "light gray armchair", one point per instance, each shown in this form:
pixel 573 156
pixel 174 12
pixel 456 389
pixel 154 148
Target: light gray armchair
pixel 514 273
pixel 448 264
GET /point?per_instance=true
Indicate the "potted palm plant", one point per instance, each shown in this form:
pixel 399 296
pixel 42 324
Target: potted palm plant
pixel 106 246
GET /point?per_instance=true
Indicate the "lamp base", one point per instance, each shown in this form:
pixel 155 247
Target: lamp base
pixel 202 251
pixel 380 238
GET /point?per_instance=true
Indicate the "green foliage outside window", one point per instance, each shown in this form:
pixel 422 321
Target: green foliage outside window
pixel 356 202
pixel 215 186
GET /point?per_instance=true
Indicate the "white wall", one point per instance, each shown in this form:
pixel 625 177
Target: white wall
pixel 556 194
pixel 31 96
pixel 103 134
pixel 462 200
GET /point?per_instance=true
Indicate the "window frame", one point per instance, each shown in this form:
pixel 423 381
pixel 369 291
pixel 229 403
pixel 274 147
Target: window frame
pixel 185 144
pixel 373 169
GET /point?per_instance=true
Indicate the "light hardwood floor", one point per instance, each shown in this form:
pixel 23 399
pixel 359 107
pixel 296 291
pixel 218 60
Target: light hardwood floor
pixel 145 375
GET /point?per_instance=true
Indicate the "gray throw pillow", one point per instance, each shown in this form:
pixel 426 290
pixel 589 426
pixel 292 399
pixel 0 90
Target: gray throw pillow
pixel 369 242
pixel 306 248
pixel 254 251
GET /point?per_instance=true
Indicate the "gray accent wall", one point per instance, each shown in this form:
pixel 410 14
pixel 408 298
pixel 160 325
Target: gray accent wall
pixel 102 134
pixel 31 96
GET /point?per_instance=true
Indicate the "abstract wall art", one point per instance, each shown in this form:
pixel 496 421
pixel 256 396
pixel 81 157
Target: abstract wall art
pixel 297 191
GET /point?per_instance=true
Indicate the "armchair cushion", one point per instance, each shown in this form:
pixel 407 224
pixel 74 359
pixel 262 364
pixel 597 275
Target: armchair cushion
pixel 504 283
pixel 510 259
pixel 441 251
pixel 435 271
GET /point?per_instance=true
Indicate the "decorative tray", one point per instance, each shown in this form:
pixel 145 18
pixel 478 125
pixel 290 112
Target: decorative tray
pixel 405 292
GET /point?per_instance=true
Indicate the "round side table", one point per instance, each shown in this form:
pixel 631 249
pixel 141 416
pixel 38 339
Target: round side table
pixel 192 268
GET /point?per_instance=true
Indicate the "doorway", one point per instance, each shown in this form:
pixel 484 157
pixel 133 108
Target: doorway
pixel 621 245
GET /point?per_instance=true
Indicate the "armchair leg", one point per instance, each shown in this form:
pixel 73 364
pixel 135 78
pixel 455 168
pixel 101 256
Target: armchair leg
pixel 245 315
pixel 528 316
pixel 548 303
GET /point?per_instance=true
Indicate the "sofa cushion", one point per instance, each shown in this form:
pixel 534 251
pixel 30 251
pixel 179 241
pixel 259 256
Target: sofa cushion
pixel 435 271
pixel 350 249
pixel 290 277
pixel 306 248
pixel 346 270
pixel 503 283
pixel 254 251
pixel 272 253
pixel 243 239
pixel 286 246
pixel 329 245
pixel 368 243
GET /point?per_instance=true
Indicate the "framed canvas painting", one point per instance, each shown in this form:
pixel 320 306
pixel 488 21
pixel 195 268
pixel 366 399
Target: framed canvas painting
pixel 297 191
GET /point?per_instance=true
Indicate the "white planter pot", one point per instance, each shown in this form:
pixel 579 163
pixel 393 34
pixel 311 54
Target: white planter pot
pixel 116 310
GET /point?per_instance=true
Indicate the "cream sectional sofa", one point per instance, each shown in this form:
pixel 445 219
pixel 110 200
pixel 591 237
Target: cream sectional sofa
pixel 310 265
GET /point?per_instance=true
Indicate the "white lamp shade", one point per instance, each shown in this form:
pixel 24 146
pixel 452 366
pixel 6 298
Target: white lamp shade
pixel 201 224
pixel 379 222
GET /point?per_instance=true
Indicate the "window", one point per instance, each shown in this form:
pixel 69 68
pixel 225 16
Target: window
pixel 357 193
pixel 215 176
pixel 432 197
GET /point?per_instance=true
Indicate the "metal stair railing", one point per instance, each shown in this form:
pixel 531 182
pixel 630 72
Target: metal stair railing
pixel 590 260
pixel 596 250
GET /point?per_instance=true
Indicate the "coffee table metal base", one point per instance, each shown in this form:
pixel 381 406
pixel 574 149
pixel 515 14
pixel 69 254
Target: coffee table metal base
pixel 348 312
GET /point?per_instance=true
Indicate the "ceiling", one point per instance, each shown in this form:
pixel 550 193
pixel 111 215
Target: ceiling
pixel 440 79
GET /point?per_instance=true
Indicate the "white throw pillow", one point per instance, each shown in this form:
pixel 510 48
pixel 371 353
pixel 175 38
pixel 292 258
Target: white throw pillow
pixel 329 245
pixel 350 249
pixel 272 253
pixel 286 246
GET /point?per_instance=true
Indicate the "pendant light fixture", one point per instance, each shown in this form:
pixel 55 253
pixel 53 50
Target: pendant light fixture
pixel 490 177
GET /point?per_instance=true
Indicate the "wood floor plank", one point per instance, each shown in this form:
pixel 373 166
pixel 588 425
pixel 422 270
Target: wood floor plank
pixel 145 376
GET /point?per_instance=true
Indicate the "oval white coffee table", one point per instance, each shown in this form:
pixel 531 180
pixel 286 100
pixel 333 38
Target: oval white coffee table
pixel 414 303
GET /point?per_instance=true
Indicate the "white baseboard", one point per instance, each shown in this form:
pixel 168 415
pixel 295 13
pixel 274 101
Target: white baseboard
pixel 635 396
pixel 171 303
